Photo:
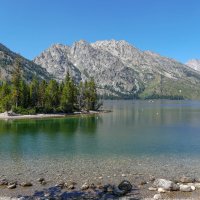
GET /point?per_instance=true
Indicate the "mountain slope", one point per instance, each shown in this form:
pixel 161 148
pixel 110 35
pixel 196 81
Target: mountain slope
pixel 29 68
pixel 194 64
pixel 122 70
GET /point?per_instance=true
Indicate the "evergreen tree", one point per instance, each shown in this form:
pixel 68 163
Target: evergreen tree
pixel 69 95
pixel 34 85
pixel 5 96
pixel 16 79
pixel 52 95
pixel 41 94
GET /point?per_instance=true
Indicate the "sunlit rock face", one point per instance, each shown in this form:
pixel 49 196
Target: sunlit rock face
pixel 121 69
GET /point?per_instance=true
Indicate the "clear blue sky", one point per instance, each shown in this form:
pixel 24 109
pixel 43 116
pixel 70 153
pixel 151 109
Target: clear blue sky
pixel 168 27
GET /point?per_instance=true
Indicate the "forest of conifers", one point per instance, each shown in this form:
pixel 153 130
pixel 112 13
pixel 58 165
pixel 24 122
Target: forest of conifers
pixel 40 96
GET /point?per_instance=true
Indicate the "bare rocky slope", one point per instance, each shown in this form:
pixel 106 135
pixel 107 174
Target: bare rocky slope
pixel 194 64
pixel 29 69
pixel 121 70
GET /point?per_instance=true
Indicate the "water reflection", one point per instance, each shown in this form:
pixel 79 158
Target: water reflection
pixel 134 128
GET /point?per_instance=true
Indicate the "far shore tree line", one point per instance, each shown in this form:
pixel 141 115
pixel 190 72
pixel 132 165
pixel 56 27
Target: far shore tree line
pixel 40 96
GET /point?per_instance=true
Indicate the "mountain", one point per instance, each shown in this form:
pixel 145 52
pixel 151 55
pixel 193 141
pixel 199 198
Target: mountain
pixel 29 69
pixel 121 70
pixel 194 64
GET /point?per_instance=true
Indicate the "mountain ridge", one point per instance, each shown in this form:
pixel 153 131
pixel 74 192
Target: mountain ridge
pixel 121 69
pixel 29 68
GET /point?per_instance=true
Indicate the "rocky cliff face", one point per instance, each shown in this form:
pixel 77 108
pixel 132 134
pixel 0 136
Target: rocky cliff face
pixel 121 70
pixel 194 64
pixel 29 68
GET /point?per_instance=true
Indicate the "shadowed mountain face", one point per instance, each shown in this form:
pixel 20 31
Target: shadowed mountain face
pixel 121 69
pixel 29 69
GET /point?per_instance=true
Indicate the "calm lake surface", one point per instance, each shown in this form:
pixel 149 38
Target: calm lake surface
pixel 138 137
pixel 134 128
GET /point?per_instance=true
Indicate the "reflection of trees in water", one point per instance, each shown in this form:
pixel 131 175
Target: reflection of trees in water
pixel 24 136
pixel 88 125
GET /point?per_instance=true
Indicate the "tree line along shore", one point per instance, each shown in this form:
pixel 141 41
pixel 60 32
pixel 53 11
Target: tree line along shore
pixel 40 96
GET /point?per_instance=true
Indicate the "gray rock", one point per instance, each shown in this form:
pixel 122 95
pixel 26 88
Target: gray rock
pixel 118 67
pixel 125 186
pixel 12 186
pixel 3 182
pixel 152 189
pixel 26 184
pixel 163 183
pixel 185 188
pixel 85 186
pixel 194 64
pixel 187 179
pixel 157 196
pixel 41 180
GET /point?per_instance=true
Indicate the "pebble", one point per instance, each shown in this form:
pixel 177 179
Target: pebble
pixel 157 196
pixel 12 186
pixel 26 184
pixel 152 189
pixel 123 175
pixel 161 190
pixel 186 179
pixel 85 186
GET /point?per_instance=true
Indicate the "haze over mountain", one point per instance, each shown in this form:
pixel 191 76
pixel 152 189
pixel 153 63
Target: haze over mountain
pixel 29 69
pixel 121 70
pixel 194 63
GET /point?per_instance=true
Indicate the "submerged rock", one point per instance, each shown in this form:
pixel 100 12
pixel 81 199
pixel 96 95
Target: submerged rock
pixel 125 186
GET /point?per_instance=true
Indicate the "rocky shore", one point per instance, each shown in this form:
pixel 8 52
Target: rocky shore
pixel 184 187
pixel 11 115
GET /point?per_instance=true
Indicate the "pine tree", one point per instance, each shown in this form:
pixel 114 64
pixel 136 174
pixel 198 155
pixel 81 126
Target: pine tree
pixel 52 95
pixel 34 85
pixel 16 79
pixel 69 95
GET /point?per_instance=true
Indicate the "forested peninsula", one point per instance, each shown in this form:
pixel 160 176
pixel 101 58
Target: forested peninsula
pixel 41 96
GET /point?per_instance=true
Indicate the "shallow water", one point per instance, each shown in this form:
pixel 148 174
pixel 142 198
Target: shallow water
pixel 134 128
pixel 154 138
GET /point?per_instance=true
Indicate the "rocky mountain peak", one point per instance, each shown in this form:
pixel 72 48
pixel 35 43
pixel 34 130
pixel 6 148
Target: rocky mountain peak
pixel 194 64
pixel 120 69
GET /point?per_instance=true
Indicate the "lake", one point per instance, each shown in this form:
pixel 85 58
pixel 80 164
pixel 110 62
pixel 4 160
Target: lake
pixel 160 138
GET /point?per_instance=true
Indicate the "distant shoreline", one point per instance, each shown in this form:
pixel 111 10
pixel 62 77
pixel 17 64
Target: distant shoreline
pixel 7 116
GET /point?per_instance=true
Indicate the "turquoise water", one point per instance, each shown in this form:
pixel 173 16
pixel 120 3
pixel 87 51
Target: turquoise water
pixel 133 128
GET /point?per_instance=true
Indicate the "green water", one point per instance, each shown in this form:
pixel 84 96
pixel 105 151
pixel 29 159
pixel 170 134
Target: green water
pixel 133 128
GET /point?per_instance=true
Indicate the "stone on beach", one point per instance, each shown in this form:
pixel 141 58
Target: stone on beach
pixel 85 186
pixel 187 179
pixel 165 184
pixel 157 196
pixel 26 184
pixel 185 188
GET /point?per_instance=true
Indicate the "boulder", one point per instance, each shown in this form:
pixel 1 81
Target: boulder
pixel 152 189
pixel 163 183
pixel 185 188
pixel 125 186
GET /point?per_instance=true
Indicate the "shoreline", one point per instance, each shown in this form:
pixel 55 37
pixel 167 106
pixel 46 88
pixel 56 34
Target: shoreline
pixel 7 116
